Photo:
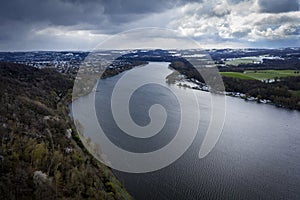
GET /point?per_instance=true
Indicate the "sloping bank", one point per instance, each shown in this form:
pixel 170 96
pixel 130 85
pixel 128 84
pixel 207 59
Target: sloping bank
pixel 41 155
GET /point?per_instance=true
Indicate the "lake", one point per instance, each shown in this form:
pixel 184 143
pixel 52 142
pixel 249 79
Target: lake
pixel 256 157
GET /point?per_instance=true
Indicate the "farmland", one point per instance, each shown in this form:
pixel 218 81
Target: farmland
pixel 261 74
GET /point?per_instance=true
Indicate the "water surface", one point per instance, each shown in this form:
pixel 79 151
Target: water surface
pixel 257 156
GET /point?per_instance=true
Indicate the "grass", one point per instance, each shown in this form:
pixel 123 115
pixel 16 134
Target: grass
pixel 261 74
pixel 271 74
pixel 296 93
pixel 236 75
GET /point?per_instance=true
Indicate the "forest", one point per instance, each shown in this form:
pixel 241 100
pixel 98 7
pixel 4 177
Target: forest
pixel 41 155
pixel 283 92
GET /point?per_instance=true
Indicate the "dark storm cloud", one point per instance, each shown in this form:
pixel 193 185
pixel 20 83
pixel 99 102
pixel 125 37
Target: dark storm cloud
pixel 42 24
pixel 278 6
pixel 19 19
pixel 72 12
pixel 105 16
pixel 135 6
pixel 56 12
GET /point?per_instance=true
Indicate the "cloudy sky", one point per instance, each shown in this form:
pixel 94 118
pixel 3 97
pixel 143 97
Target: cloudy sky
pixel 82 24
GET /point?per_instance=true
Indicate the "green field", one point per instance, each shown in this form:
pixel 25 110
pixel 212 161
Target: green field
pixel 236 75
pixel 296 93
pixel 261 74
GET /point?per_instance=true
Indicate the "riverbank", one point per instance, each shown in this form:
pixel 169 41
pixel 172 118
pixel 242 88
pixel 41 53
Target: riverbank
pixel 281 93
pixel 196 85
pixel 41 154
pixel 258 145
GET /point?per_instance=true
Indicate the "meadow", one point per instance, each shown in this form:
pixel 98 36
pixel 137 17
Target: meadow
pixel 261 74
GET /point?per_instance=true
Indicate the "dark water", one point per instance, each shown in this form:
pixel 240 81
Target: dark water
pixel 257 156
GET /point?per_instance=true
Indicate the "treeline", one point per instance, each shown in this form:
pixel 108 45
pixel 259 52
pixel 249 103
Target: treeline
pixel 283 92
pixel 289 54
pixel 116 69
pixel 41 155
pixel 267 64
pixel 187 69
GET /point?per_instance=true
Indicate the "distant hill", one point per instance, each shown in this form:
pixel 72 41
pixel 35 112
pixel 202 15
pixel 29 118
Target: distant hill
pixel 41 156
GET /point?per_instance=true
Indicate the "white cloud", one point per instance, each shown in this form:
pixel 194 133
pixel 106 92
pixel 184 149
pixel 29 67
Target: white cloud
pixel 242 21
pixel 222 9
pixel 82 25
